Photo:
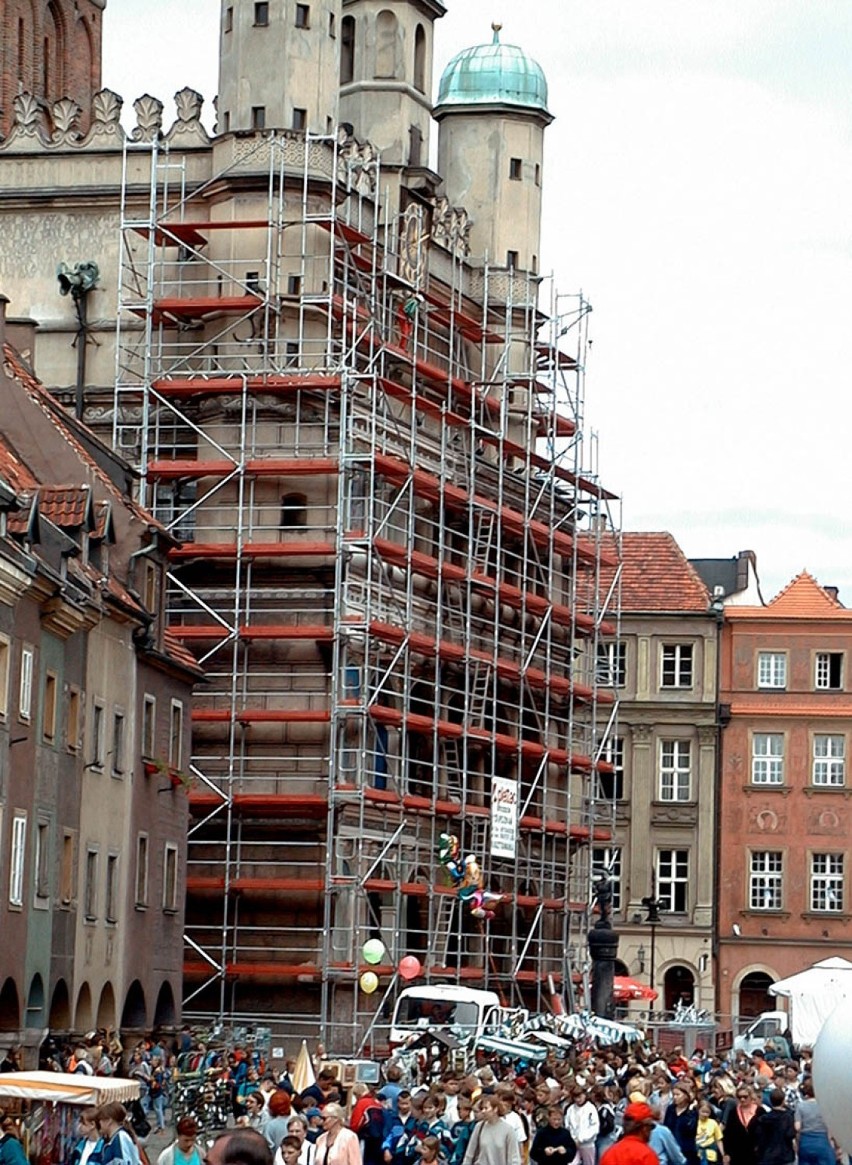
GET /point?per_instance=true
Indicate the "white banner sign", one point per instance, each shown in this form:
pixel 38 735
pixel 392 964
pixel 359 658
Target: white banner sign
pixel 504 817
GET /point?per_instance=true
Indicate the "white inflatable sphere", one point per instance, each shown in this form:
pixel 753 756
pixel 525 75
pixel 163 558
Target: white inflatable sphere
pixel 832 1073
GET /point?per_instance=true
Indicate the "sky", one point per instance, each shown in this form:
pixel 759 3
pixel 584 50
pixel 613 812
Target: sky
pixel 698 190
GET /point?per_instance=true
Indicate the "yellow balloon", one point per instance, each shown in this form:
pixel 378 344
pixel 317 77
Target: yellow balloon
pixel 369 982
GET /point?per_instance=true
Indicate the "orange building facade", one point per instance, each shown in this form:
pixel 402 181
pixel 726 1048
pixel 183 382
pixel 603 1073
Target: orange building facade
pixel 784 899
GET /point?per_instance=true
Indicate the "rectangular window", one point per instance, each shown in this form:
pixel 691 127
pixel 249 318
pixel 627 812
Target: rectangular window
pixel 66 871
pixel 170 871
pixel 142 870
pixel 300 118
pixel 16 860
pixel 258 117
pixel 49 717
pixel 673 880
pixel 261 14
pixel 516 169
pixel 118 743
pixel 607 860
pixel 512 260
pixel 829 760
pixel 90 897
pixel 612 664
pixel 229 19
pixel 176 735
pixel 97 761
pixel 150 586
pixel 303 16
pixel 72 728
pixel 42 860
pixel 611 785
pixel 332 25
pixel 829 671
pixel 675 770
pixel 767 758
pixel 771 669
pixel 149 726
pixel 676 670
pixel 25 696
pixel 766 880
pixel 111 902
pixel 827 882
pixel 5 653
pixel 294 285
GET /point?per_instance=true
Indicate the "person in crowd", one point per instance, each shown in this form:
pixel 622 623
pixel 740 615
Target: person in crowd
pixel 240 1146
pixel 337 1145
pixel 288 1151
pixel 255 1108
pixel 708 1136
pixel 493 1141
pixel 11 1149
pixel 633 1147
pixel 461 1131
pixel 553 1144
pixel 429 1150
pixel 157 1090
pixel 775 1133
pixel 367 1121
pixel 119 1145
pixel 184 1149
pixel 583 1123
pixel 737 1130
pixel 682 1118
pixel 813 1141
pixel 505 1095
pixel 662 1141
pixel 298 1128
pixel 11 1062
pixel 277 1126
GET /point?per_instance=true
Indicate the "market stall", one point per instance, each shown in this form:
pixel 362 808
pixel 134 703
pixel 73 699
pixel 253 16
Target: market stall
pixel 46 1106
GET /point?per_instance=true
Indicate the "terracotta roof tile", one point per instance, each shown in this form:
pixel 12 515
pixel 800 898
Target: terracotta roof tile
pixel 67 506
pixel 178 652
pixel 657 576
pixel 801 598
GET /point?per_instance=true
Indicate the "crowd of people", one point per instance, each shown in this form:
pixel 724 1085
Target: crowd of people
pixel 593 1107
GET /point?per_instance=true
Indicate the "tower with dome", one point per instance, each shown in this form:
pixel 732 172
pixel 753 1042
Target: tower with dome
pixel 342 385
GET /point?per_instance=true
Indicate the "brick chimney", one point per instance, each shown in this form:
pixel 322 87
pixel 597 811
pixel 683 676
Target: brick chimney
pixel 833 593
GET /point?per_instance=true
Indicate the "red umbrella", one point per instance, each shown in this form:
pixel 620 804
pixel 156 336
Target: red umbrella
pixel 624 989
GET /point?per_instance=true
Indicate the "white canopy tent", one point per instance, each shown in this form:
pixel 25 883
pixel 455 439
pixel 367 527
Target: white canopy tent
pixel 814 993
pixel 67 1088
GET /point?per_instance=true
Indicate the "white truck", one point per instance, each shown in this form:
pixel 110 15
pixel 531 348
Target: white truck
pixel 465 1012
pixel 769 1027
pixel 812 995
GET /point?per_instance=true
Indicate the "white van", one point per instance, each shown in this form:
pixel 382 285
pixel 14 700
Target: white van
pixel 463 1011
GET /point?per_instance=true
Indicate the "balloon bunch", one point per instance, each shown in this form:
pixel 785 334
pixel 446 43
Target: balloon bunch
pixel 467 877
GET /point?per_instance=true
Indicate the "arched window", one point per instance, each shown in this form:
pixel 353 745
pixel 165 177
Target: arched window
pixel 53 60
pixel 347 49
pixel 420 58
pixel 294 512
pixel 387 43
pixel 754 994
pixel 678 987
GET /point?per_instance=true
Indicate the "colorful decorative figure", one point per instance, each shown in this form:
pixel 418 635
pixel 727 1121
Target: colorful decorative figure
pixel 468 878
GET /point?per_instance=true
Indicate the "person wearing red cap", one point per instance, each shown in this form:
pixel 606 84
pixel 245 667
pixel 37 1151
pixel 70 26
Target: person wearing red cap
pixel 633 1148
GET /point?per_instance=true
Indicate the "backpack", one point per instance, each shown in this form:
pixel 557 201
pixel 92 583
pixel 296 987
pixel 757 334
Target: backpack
pixel 606 1118
pixel 138 1120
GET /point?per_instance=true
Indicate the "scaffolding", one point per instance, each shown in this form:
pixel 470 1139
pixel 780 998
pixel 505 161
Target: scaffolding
pixel 372 450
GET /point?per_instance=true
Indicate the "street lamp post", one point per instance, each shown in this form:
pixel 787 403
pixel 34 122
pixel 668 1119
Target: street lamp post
pixel 652 905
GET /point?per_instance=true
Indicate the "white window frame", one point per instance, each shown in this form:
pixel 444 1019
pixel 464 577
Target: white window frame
pixel 25 687
pixel 17 860
pixel 611 663
pixel 772 670
pixel 767 758
pixel 766 880
pixel 829 760
pixel 608 858
pixel 140 890
pixel 176 740
pixel 827 889
pixel 672 879
pixel 679 660
pixel 170 855
pixel 149 726
pixel 822 671
pixel 613 754
pixel 675 769
pixel 41 863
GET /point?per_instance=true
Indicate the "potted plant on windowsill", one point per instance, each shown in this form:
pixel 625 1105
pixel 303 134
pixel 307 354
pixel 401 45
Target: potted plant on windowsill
pixel 178 779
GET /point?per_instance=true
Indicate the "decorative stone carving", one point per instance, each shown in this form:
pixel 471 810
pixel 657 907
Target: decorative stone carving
pixel 65 114
pixel 188 125
pixel 28 131
pixel 451 227
pixel 641 733
pixel 149 119
pixel 106 126
pixel 357 163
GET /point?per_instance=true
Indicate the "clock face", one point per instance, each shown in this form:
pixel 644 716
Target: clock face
pixel 412 248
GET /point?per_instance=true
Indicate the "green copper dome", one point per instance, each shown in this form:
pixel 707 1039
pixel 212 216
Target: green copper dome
pixel 491 73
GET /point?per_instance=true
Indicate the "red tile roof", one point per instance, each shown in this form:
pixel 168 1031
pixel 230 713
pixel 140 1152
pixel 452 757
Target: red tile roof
pixel 174 648
pixel 802 598
pixel 67 506
pixel 657 576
